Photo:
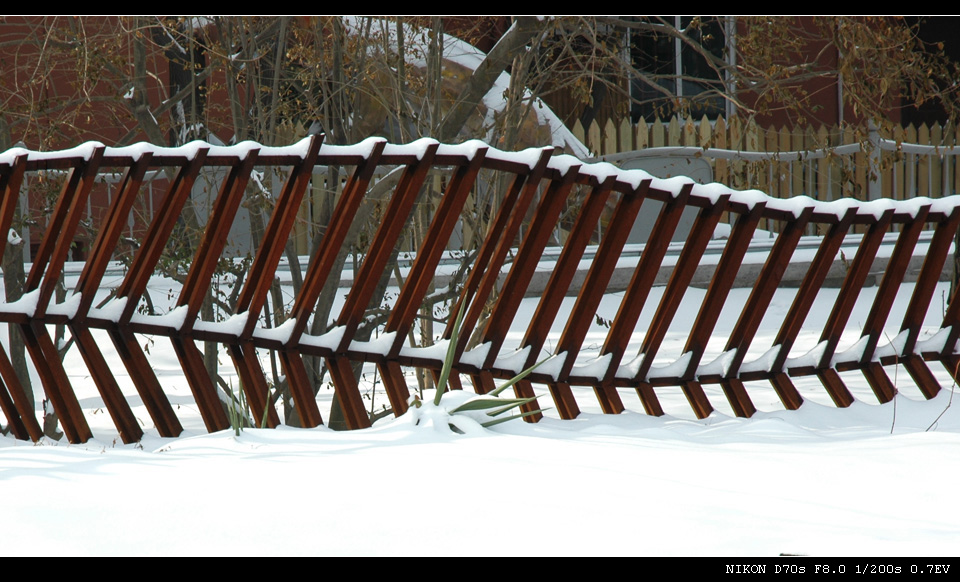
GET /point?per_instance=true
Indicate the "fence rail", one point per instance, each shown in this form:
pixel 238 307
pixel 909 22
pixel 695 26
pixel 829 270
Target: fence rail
pixel 526 199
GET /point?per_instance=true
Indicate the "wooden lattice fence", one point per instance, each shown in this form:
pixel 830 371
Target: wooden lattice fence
pixel 526 197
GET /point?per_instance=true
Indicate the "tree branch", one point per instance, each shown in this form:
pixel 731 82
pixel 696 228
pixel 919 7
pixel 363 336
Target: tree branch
pixel 483 78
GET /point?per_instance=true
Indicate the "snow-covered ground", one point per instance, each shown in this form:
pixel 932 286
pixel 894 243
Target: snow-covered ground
pixel 872 480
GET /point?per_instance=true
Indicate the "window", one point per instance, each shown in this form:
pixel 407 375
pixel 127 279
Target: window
pixel 671 63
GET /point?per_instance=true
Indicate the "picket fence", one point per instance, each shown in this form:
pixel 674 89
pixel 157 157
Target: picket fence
pixel 825 163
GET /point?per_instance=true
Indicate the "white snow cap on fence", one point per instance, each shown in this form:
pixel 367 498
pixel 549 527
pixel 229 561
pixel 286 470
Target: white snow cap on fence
pixel 528 157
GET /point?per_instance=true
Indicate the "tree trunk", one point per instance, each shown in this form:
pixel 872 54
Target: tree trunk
pixel 524 29
pixel 13 280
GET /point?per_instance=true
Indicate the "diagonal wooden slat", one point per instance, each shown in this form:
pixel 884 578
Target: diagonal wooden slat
pixel 16 407
pixel 558 284
pixel 687 263
pixel 763 291
pixel 534 189
pixel 644 276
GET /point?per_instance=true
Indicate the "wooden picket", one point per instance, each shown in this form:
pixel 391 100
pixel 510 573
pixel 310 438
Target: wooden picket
pixel 539 193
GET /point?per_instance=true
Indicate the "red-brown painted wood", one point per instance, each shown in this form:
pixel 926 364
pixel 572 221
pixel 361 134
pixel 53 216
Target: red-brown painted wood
pixel 720 285
pixel 16 407
pixel 598 276
pixel 204 392
pixel 535 195
pixel 644 275
pixel 922 376
pixel 738 398
pixel 199 278
pixel 930 272
pixel 378 255
pixel 892 278
pixel 260 278
pixel 297 378
pixel 807 293
pixel 835 387
pixel 525 263
pixel 687 263
pixel 101 251
pixel 58 238
pixel 113 399
pixel 56 384
pixel 146 382
pixel 764 289
pixel 11 177
pixel 788 393
pixel 158 234
pixel 495 247
pixel 852 284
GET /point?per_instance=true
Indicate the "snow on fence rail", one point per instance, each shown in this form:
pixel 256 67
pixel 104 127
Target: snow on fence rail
pixel 541 191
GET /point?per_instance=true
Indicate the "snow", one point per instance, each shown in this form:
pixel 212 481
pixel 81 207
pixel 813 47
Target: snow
pixel 9 156
pixel 477 355
pixel 553 366
pixel 529 156
pixel 714 191
pixel 876 208
pixel 417 148
pixel 795 205
pixel 634 177
pixel 935 343
pixel 809 359
pixel 174 318
pixel 596 367
pixel 68 307
pixel 233 325
pixel 764 363
pixel 513 361
pixel 111 311
pixel 563 163
pixel 872 480
pixel 384 343
pixel 674 369
pixel 281 333
pixel 721 365
pixel 189 150
pixel 135 151
pixel 362 149
pixel 27 304
pixel 601 171
pixel 853 353
pixel 438 351
pixel 330 340
pixel 243 149
pixel 467 149
pixel 892 348
pixel 750 198
pixel 817 481
pixel 300 148
pixel 675 184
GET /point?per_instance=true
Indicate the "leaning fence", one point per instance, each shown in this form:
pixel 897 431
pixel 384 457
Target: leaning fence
pixel 512 207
